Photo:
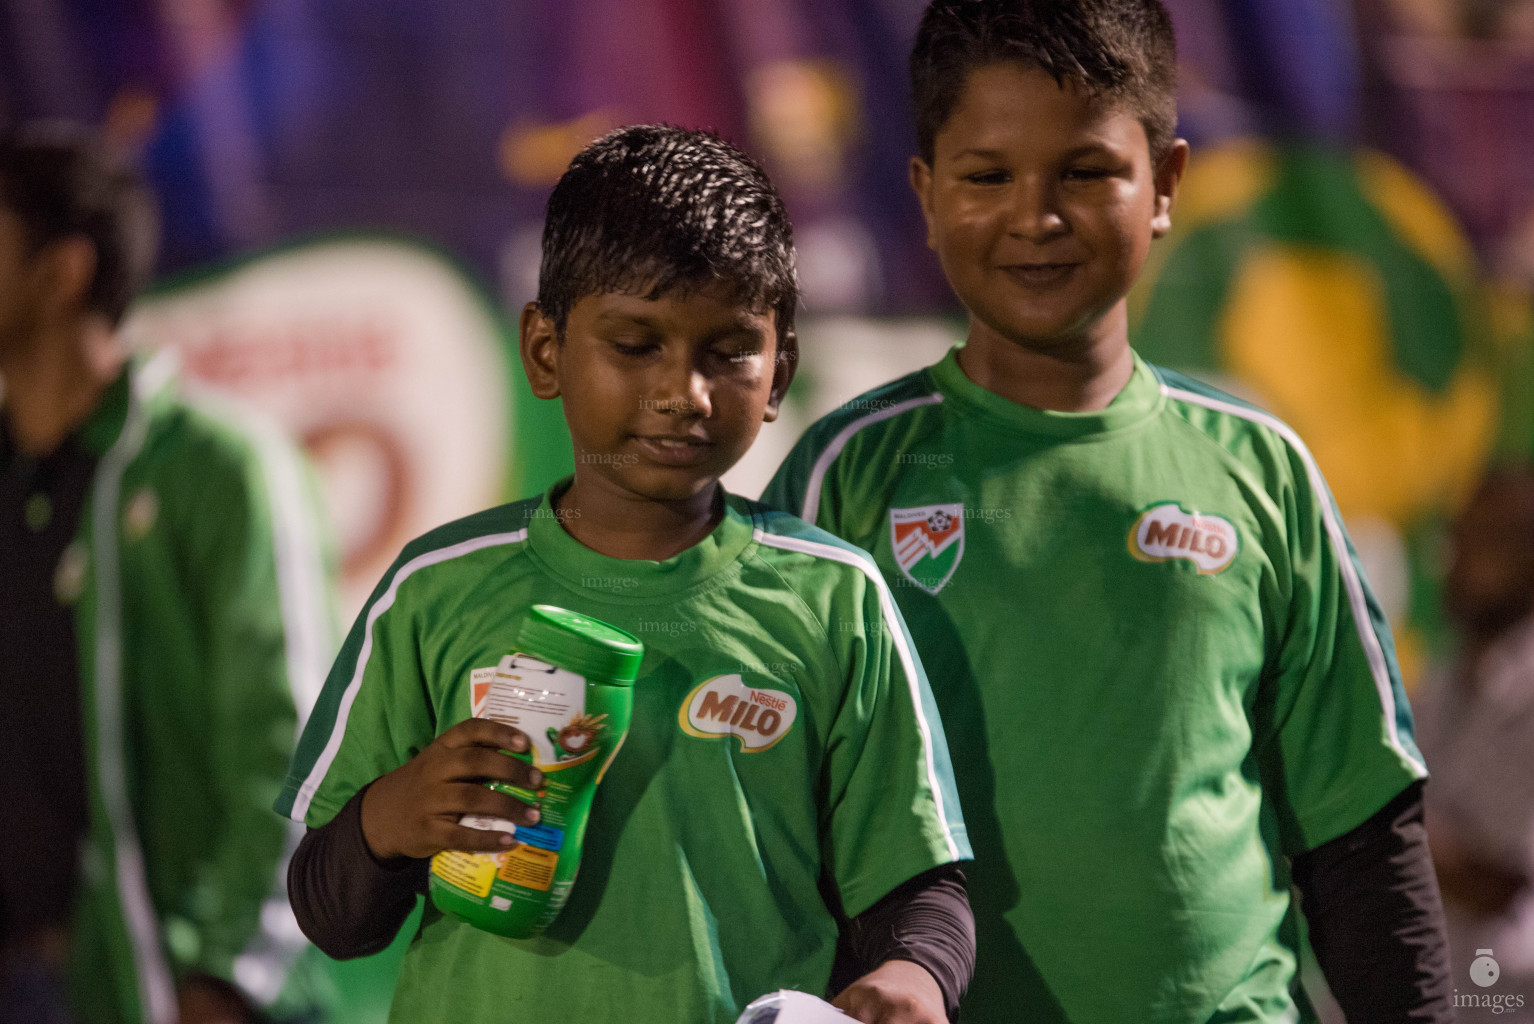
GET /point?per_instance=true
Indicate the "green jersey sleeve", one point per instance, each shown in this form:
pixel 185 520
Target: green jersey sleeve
pixel 785 491
pixel 831 460
pixel 1339 742
pixel 374 712
pixel 790 484
pixel 891 803
pixel 890 808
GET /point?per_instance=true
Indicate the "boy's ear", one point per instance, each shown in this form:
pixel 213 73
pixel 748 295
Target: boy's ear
pixel 921 184
pixel 1168 177
pixel 784 362
pixel 67 269
pixel 540 352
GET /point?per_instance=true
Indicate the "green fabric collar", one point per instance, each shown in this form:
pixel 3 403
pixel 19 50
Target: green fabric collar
pixel 1139 399
pixel 634 580
pixel 101 429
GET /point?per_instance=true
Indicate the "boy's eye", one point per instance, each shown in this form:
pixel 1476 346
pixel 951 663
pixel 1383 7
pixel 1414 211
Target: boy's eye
pixel 1087 173
pixel 633 348
pixel 990 177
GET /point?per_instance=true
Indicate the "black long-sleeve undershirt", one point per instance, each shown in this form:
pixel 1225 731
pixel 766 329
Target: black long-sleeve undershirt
pixel 926 920
pixel 349 903
pixel 1370 898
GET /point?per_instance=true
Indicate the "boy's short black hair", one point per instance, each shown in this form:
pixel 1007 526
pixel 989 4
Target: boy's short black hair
pixel 61 181
pixel 1124 50
pixel 654 208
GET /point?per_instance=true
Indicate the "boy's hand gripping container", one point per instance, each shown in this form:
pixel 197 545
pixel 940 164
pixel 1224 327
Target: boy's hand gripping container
pixel 569 687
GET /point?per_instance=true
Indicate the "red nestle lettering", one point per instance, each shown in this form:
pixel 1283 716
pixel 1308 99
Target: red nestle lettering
pixel 249 355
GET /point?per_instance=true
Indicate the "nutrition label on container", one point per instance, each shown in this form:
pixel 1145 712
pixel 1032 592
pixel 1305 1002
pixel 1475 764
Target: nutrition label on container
pixel 546 703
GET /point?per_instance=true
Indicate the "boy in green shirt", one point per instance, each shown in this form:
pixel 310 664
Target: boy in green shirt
pixel 1167 684
pixel 726 855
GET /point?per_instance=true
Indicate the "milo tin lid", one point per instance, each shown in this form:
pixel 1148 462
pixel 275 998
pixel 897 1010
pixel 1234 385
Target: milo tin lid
pixel 586 646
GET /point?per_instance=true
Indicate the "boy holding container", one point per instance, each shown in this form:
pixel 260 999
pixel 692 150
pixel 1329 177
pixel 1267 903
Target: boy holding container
pixel 723 859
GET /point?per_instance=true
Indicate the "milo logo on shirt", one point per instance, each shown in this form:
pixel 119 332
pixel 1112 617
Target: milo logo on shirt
pixel 725 706
pixel 1164 532
pixel 928 542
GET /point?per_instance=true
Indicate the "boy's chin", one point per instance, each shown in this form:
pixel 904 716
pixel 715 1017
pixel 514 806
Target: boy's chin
pixel 667 484
pixel 1050 340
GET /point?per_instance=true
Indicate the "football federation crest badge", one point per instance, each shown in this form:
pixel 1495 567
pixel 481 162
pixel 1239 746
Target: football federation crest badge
pixel 928 543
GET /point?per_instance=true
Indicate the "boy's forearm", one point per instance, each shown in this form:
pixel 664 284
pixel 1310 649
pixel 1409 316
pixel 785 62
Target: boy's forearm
pixel 347 902
pixel 1376 920
pixel 927 921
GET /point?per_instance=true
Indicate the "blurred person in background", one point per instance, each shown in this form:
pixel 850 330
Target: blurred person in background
pixel 161 597
pixel 1476 726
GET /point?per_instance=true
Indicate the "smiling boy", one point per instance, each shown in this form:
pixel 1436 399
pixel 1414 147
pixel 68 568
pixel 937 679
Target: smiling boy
pixel 724 858
pixel 1169 689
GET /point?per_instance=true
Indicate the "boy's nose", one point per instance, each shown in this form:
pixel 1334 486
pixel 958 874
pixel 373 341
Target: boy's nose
pixel 685 393
pixel 1035 214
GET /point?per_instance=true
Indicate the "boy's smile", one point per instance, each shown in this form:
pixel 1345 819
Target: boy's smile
pixel 1041 202
pixel 662 396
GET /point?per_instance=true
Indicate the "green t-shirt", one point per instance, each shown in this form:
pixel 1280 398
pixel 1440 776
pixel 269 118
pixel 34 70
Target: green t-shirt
pixel 1159 668
pixel 715 841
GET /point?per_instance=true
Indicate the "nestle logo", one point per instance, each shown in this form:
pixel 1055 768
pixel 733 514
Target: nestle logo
pixel 1165 532
pixel 725 706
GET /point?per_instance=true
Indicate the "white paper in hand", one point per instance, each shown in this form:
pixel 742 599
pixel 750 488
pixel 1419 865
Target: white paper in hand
pixel 788 1007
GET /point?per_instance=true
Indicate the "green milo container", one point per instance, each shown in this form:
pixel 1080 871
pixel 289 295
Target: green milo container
pixel 569 687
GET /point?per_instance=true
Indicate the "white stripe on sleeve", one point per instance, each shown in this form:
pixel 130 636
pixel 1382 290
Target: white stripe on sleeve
pixel 902 648
pixel 1373 650
pixel 377 608
pixel 823 463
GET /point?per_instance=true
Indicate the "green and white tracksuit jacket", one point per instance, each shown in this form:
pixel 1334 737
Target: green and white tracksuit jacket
pixel 203 619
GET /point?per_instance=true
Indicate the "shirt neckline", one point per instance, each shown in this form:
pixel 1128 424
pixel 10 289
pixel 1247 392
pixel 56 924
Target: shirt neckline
pixel 636 580
pixel 1139 399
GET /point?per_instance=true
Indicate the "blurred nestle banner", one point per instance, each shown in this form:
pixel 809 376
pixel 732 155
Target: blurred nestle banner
pixel 398 373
